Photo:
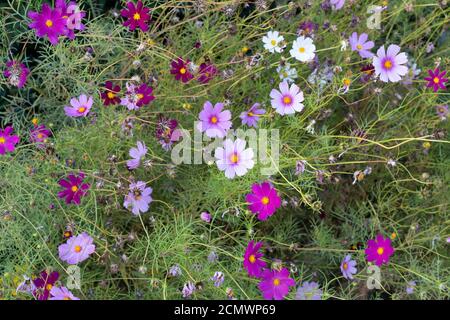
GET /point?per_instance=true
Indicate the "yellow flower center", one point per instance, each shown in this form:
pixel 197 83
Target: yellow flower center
pixel 183 70
pixel 40 135
pixel 250 114
pixel 347 82
pixel 301 50
pixel 380 250
pixel 234 158
pixel 81 109
pixel 136 16
pixel 265 200
pixel 77 249
pixel 49 287
pixel 388 64
pixel 440 109
pixel 49 23
pixel 110 95
pixel 74 188
pixel 273 42
pixel 436 80
pixel 252 258
pixel 276 282
pixel 140 96
pixel 359 47
pixel 287 100
pixel 35 121
pixel 66 298
pixel 2 140
pixel 345 266
pixel 214 119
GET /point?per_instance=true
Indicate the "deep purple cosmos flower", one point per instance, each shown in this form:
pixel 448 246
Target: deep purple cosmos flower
pixel 252 259
pixel 436 79
pixel 442 112
pixel 109 96
pixel 79 107
pixel 233 158
pixel 8 140
pixel 39 135
pixel 71 12
pixel 360 44
pixel 337 4
pixel 138 198
pixel 263 200
pixel 180 70
pixel 62 293
pixel 166 132
pixel 307 29
pixel 137 16
pixel 309 291
pixel 251 116
pixel 17 73
pixel 389 65
pixel 77 249
pixel 379 250
pixel 137 96
pixel 138 155
pixel 288 99
pixel 74 188
pixel 213 121
pixel 275 284
pixel 50 22
pixel 43 284
pixel 206 71
pixel 348 267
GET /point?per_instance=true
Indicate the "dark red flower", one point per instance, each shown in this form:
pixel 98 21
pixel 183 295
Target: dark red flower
pixel 137 16
pixel 44 284
pixel 207 71
pixel 144 94
pixel 436 79
pixel 180 70
pixel 109 96
pixel 74 188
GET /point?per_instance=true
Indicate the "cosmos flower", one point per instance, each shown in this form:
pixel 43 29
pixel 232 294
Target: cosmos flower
pixel 8 140
pixel 251 116
pixel 252 259
pixel 233 158
pixel 139 198
pixel 138 155
pixel 379 250
pixel 74 188
pixel 367 71
pixel 166 132
pixel 348 267
pixel 288 99
pixel 50 22
pixel 214 121
pixel 360 44
pixel 263 200
pixel 307 28
pixel 205 216
pixel 286 73
pixel 73 16
pixel 62 293
pixel 389 65
pixel 436 79
pixel 442 112
pixel 175 270
pixel 275 284
pixel 137 96
pixel 79 107
pixel 218 278
pixel 43 284
pixel 39 135
pixel 109 96
pixel 309 291
pixel 206 71
pixel 77 248
pixel 273 42
pixel 17 73
pixel 137 16
pixel 303 49
pixel 180 70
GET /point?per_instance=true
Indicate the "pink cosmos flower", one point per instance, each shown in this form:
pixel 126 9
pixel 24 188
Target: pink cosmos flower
pixel 233 158
pixel 137 16
pixel 109 96
pixel 251 116
pixel 138 154
pixel 39 135
pixel 206 71
pixel 252 259
pixel 180 70
pixel 263 200
pixel 77 249
pixel 287 100
pixel 214 121
pixel 74 188
pixel 389 65
pixel 205 216
pixel 379 250
pixel 43 284
pixel 49 22
pixel 71 12
pixel 137 96
pixel 337 4
pixel 275 284
pixel 8 140
pixel 17 73
pixel 436 79
pixel 360 44
pixel 79 107
pixel 138 198
pixel 62 293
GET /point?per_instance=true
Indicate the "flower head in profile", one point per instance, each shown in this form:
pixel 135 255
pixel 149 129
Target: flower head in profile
pixel 436 79
pixel 287 100
pixel 379 250
pixel 234 158
pixel 206 72
pixel 49 22
pixel 309 291
pixel 138 155
pixel 137 96
pixel 348 267
pixel 337 4
pixel 303 49
pixel 252 259
pixel 62 293
pixel 39 135
pixel 77 248
pixel 252 115
pixel 275 284
pixel 213 121
pixel 8 140
pixel 442 112
pixel 74 188
pixel 43 284
pixel 109 96
pixel 361 45
pixel 181 70
pixel 79 107
pixel 273 42
pixel 138 198
pixel 16 72
pixel 263 200
pixel 137 16
pixel 389 65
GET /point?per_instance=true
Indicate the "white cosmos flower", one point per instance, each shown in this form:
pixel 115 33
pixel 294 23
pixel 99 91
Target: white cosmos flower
pixel 273 42
pixel 287 73
pixel 303 49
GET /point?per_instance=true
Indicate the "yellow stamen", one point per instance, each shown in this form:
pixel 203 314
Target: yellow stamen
pixel 183 70
pixel 110 95
pixel 359 47
pixel 40 135
pixel 388 64
pixel 234 158
pixel 436 80
pixel 276 282
pixel 345 266
pixel 81 109
pixel 301 50
pixel 273 42
pixel 2 140
pixel 287 100
pixel 214 119
pixel 136 16
pixel 77 249
pixel 380 250
pixel 49 23
pixel 140 96
pixel 265 200
pixel 252 258
pixel 74 189
pixel 66 298
pixel 49 287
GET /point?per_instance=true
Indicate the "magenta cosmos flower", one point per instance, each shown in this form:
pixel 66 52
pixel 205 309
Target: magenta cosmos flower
pixel 77 249
pixel 71 12
pixel 389 65
pixel 49 22
pixel 275 284
pixel 252 259
pixel 79 107
pixel 213 121
pixel 74 188
pixel 8 141
pixel 263 200
pixel 337 4
pixel 251 116
pixel 109 96
pixel 233 158
pixel 360 44
pixel 43 284
pixel 180 70
pixel 287 100
pixel 17 73
pixel 138 154
pixel 348 267
pixel 137 16
pixel 39 135
pixel 137 96
pixel 436 79
pixel 139 198
pixel 379 250
pixel 62 293
pixel 206 71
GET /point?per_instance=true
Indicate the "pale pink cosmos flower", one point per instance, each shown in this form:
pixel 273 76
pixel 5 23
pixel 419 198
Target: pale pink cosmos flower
pixel 79 107
pixel 138 154
pixel 233 158
pixel 288 100
pixel 390 64
pixel 77 249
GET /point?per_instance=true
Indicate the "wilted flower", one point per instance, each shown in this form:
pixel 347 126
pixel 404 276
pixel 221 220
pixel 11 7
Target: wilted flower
pixel 442 112
pixel 16 72
pixel 205 216
pixel 188 289
pixel 252 115
pixel 206 71
pixel 287 73
pixel 300 167
pixel 137 96
pixel 39 135
pixel 218 278
pixel 410 287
